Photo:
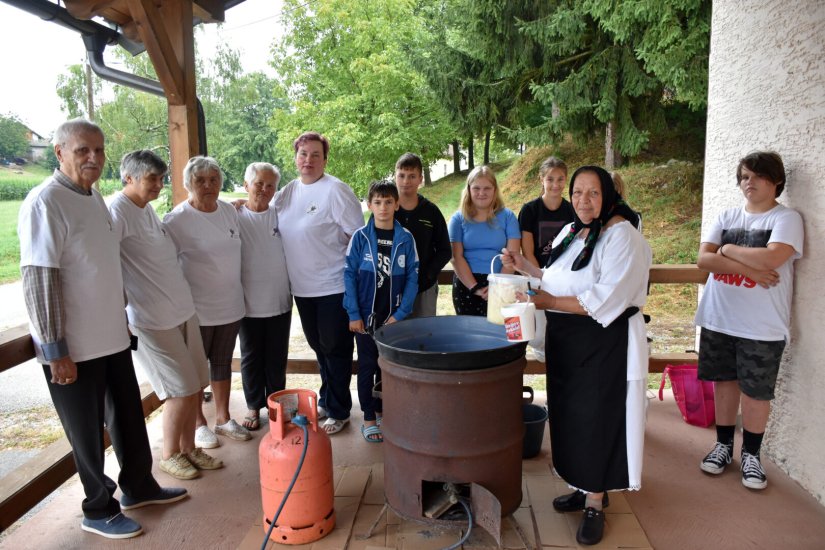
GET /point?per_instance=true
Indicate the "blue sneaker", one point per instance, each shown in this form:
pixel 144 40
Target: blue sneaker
pixel 164 496
pixel 115 527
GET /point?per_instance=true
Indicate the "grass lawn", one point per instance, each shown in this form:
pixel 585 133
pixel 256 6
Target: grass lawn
pixel 9 245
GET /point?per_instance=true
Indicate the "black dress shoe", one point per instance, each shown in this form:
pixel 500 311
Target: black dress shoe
pixel 591 528
pixel 575 502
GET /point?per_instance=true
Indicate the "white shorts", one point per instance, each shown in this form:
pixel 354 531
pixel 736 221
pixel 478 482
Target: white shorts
pixel 173 359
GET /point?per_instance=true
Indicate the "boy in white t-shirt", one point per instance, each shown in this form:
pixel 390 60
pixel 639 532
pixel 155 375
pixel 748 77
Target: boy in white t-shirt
pixel 745 309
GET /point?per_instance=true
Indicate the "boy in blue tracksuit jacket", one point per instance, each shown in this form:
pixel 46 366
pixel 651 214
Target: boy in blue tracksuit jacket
pixel 381 283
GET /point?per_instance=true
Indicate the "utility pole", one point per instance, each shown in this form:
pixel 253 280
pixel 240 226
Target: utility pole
pixel 90 94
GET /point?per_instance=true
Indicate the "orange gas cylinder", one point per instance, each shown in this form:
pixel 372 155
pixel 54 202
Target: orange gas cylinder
pixel 308 514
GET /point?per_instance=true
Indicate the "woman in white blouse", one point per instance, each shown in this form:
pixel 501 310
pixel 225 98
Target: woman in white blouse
pixel 207 235
pixel 596 346
pixel 265 328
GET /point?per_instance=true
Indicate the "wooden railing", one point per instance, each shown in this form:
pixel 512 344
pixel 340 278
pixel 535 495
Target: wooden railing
pixel 24 487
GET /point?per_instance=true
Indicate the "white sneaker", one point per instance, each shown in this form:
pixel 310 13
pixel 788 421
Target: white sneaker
pixel 206 438
pixel 232 430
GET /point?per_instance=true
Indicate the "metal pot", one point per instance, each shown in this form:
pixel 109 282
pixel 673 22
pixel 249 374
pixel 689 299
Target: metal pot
pixel 450 342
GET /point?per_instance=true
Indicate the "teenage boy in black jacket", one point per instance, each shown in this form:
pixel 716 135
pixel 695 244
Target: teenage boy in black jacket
pixel 426 223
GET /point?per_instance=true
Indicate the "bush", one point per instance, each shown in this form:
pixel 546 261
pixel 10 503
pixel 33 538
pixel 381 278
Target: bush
pixel 109 187
pixel 16 189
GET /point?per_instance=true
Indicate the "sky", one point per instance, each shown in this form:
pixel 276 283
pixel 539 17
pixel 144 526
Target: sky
pixel 35 52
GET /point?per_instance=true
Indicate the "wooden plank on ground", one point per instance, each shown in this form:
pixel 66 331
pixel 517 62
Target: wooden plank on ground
pixel 345 510
pixel 524 517
pixel 364 519
pixel 353 481
pixel 375 488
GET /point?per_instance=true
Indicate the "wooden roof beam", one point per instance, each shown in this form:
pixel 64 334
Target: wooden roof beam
pixel 153 33
pixel 209 11
pixel 86 9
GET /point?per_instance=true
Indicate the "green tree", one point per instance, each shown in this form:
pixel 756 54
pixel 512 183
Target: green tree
pixel 238 109
pixel 346 75
pixel 72 91
pixel 671 38
pixel 49 159
pixel 595 81
pixel 13 141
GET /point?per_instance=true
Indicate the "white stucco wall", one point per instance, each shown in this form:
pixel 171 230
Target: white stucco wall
pixel 767 91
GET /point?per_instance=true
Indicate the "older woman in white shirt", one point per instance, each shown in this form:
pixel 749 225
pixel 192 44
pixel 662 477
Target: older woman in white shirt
pixel 161 313
pixel 206 233
pixel 265 328
pixel 593 289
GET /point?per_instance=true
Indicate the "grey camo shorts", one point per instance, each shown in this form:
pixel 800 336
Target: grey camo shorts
pixel 754 363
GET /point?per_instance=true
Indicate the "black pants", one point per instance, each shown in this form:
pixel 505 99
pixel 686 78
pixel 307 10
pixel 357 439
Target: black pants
pixel 106 390
pixel 326 328
pixel 466 303
pixel 264 353
pixel 369 374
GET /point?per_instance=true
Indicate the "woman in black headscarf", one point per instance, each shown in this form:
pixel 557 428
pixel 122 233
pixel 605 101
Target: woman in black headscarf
pixel 596 348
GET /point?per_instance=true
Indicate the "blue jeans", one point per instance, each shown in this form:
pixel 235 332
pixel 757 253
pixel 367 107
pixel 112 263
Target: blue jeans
pixel 326 328
pixel 368 375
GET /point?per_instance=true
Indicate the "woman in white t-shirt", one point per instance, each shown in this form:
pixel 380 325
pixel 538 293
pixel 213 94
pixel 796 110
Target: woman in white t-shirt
pixel 265 328
pixel 161 313
pixel 207 235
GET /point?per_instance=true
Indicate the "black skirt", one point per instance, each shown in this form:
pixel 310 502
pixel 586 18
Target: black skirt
pixel 587 386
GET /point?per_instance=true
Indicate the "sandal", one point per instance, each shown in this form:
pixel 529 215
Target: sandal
pixel 372 434
pixel 333 425
pixel 251 422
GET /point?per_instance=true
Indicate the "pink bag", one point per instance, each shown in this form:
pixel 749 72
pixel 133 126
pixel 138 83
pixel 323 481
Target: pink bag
pixel 693 396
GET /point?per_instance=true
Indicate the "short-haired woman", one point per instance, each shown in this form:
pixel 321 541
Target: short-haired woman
pixel 161 313
pixel 265 328
pixel 207 235
pixel 318 214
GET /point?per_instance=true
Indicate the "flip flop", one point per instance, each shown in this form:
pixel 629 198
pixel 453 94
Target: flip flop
pixel 333 425
pixel 372 434
pixel 252 423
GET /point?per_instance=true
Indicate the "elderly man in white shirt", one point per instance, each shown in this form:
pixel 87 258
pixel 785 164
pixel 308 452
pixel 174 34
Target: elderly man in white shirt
pixel 70 262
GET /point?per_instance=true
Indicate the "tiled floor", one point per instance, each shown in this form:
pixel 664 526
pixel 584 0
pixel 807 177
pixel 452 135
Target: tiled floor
pixel 678 507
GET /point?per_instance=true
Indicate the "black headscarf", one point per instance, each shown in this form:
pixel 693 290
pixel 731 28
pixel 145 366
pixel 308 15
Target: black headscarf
pixel 612 205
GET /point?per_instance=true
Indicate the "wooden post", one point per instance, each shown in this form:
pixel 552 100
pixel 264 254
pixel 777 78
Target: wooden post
pixel 169 39
pixel 183 116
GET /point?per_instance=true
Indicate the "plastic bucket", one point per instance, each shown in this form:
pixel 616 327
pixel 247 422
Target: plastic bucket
pixel 502 291
pixel 534 418
pixel 694 397
pixel 519 321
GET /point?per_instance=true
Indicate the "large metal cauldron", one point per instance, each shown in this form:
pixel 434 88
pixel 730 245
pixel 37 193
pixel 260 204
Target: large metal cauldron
pixel 452 390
